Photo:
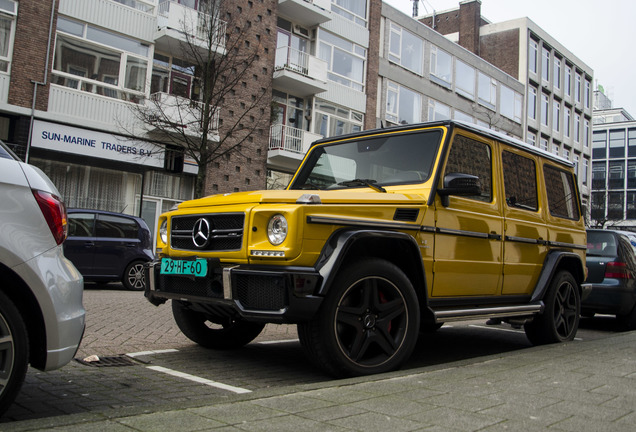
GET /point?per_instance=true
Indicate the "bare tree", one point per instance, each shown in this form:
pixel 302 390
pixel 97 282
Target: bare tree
pixel 224 53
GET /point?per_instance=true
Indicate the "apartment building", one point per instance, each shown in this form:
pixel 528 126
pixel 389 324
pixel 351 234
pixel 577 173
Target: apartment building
pixel 425 76
pixel 613 166
pixel 558 85
pixel 75 74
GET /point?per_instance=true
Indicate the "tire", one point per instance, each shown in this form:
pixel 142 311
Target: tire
pixel 368 323
pixel 560 319
pixel 14 352
pixel 214 332
pixel 627 322
pixel 134 278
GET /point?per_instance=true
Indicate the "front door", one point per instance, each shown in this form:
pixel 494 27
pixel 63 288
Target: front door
pixel 468 239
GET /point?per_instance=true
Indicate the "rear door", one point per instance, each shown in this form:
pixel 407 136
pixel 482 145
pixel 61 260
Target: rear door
pixel 116 243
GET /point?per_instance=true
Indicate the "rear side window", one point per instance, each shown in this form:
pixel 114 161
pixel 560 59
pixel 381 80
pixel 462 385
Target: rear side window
pixel 601 244
pixel 520 181
pixel 81 224
pixel 116 227
pixel 561 190
pixel 468 156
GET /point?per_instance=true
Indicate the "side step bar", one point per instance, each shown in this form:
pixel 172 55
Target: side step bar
pixel 448 315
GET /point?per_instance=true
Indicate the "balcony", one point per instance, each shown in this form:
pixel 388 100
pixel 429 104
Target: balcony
pixel 308 13
pixel 299 73
pixel 287 147
pixel 176 115
pixel 175 21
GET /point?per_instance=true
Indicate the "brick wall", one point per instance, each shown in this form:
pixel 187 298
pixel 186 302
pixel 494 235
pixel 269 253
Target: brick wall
pixel 245 168
pixel 373 64
pixel 29 52
pixel 502 50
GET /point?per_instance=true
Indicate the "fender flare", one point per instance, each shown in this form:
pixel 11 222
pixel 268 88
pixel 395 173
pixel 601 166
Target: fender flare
pixel 336 250
pixel 550 265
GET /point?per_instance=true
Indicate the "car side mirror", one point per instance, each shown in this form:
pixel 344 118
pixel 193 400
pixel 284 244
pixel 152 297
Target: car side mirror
pixel 459 184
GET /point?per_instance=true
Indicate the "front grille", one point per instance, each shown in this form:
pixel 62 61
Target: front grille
pixel 261 291
pixel 225 232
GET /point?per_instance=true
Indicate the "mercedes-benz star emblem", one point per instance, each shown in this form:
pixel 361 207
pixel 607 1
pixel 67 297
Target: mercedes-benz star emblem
pixel 201 233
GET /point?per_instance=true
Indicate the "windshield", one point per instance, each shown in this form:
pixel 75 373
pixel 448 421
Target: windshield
pixel 381 160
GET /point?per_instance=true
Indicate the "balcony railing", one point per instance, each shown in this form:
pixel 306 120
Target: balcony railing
pixel 286 138
pixel 287 146
pixel 292 59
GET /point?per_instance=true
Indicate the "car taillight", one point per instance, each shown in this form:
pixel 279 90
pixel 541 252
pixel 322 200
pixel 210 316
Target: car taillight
pixel 617 270
pixel 54 212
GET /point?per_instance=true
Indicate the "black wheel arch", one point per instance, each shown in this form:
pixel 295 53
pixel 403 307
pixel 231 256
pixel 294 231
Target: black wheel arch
pixel 558 260
pixel 399 248
pixel 20 294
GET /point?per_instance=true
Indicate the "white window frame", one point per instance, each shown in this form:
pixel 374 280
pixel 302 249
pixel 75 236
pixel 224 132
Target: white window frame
pixel 567 120
pixel 435 107
pixel 464 68
pixel 399 92
pixel 577 128
pixel 396 57
pixel 545 65
pixel 487 88
pixel 556 76
pixel 556 115
pixel 443 78
pixel 545 109
pixel 533 56
pixel 9 15
pixel 531 139
pixel 331 42
pixel 510 104
pixel 532 103
pixel 568 80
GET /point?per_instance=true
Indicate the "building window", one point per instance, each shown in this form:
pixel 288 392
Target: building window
pixel 631 205
pixel 566 122
pixel 465 79
pixel 406 49
pixel 487 91
pixel 438 111
pixel 7 31
pixel 353 10
pixel 532 103
pixel 555 148
pixel 631 174
pixel 586 169
pixel 441 67
pixel 333 120
pixel 532 55
pixel 510 104
pixel 617 143
pixel 586 133
pixel 556 115
pixel 568 81
pixel 557 73
pixel 545 64
pixel 174 76
pixel 462 116
pixel 598 175
pixel 577 87
pixel 98 61
pixel 598 206
pixel 532 139
pixel 545 106
pixel 345 60
pixel 544 144
pixel 599 145
pixel 577 128
pixel 615 205
pixel 587 94
pixel 403 106
pixel 631 142
pixel 616 176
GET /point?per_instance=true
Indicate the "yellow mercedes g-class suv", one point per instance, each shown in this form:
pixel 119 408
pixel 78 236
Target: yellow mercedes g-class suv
pixel 381 235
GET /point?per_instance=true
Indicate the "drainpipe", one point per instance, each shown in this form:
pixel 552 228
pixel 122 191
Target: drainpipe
pixel 43 83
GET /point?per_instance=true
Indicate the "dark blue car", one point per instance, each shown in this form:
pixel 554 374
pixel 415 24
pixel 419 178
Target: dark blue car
pixel 107 246
pixel 611 263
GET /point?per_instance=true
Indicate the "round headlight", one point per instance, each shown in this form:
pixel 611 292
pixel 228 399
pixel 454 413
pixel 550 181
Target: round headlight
pixel 163 232
pixel 277 229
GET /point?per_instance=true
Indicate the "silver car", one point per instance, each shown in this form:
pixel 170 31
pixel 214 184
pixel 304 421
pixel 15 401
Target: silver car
pixel 41 311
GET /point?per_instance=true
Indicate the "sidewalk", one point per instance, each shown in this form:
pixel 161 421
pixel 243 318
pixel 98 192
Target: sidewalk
pixel 577 386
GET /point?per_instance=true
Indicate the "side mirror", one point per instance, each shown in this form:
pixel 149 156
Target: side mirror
pixel 459 184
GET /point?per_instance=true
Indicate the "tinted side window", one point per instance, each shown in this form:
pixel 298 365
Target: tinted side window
pixel 117 227
pixel 561 190
pixel 468 156
pixel 81 224
pixel 520 181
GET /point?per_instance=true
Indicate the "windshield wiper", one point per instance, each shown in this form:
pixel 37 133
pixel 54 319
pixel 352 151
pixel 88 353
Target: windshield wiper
pixel 363 182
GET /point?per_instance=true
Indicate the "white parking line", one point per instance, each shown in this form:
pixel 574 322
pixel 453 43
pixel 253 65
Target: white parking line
pixel 143 353
pixel 199 379
pixel 506 330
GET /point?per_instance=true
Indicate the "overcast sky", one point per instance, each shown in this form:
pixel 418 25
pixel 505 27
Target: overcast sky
pixel 600 33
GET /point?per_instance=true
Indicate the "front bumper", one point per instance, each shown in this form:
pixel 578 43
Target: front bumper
pixel 254 293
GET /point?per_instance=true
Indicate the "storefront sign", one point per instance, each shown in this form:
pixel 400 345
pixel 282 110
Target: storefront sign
pixel 102 145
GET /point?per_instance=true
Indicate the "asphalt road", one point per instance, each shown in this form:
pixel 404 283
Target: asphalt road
pixel 145 361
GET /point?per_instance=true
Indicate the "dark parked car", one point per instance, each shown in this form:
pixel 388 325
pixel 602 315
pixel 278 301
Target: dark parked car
pixel 107 246
pixel 611 263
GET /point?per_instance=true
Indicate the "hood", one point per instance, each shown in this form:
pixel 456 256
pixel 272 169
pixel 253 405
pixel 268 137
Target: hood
pixel 341 196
